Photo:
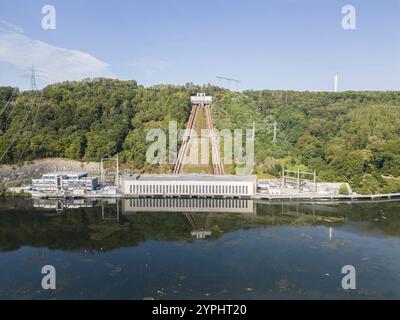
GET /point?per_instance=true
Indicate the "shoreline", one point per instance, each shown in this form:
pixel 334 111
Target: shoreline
pixel 261 197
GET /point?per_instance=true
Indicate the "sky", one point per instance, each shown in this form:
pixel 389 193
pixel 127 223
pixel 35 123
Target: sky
pixel 266 44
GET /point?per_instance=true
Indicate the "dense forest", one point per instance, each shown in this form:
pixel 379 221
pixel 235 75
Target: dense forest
pixel 347 136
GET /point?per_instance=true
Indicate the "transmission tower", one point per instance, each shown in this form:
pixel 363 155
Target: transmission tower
pixel 274 125
pixel 33 79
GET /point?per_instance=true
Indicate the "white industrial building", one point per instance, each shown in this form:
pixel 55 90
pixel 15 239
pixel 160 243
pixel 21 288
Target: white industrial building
pixel 65 181
pixel 201 99
pixel 189 185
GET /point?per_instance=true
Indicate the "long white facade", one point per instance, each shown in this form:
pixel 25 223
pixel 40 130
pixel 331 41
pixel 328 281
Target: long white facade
pixel 190 185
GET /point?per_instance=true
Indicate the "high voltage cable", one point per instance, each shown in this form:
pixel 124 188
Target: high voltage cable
pixel 5 106
pixel 10 114
pixel 20 127
pixel 33 127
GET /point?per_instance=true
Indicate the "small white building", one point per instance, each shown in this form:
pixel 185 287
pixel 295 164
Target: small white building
pixel 201 99
pixel 190 185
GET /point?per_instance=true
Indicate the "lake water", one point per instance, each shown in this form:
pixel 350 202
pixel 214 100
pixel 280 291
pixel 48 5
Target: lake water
pixel 197 249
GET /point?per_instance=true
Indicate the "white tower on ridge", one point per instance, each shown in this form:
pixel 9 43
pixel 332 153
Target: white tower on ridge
pixel 336 82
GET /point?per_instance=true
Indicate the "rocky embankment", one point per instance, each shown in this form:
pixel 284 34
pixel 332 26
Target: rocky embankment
pixel 13 175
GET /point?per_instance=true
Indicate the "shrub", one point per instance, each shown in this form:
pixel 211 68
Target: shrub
pixel 343 190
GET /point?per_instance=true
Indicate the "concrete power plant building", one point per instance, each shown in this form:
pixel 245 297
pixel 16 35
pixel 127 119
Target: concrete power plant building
pixel 190 185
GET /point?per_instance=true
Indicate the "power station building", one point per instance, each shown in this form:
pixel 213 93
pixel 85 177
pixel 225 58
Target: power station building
pixel 190 185
pixel 65 181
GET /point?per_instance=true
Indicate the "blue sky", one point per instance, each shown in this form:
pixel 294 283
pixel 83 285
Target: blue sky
pixel 271 44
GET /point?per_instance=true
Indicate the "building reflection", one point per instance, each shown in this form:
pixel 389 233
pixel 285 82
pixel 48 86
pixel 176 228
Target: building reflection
pixel 106 224
pixel 188 205
pixel 60 205
pixel 110 210
pixel 198 212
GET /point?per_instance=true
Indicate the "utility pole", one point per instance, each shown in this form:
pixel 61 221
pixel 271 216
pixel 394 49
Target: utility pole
pixel 298 178
pixel 315 181
pixel 102 173
pixel 117 175
pixel 274 126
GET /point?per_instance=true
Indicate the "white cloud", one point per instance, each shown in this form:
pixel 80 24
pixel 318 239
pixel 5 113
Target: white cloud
pixel 4 25
pixel 55 64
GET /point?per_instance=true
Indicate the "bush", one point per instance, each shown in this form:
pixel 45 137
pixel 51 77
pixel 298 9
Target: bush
pixel 2 189
pixel 343 190
pixel 274 170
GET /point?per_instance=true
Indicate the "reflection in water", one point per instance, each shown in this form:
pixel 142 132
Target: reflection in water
pixel 61 204
pixel 200 230
pixel 110 208
pixel 188 205
pixel 199 214
pixel 150 248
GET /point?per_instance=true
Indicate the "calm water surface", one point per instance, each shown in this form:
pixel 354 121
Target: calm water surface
pixel 157 249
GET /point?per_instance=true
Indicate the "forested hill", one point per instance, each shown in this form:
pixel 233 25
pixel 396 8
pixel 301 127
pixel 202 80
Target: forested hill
pixel 348 136
pixel 91 119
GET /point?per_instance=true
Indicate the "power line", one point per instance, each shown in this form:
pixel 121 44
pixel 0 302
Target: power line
pixel 33 127
pixel 5 106
pixel 10 114
pixel 21 126
pixel 229 80
pixel 33 75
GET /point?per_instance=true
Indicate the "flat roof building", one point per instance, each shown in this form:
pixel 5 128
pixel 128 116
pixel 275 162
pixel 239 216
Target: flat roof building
pixel 201 98
pixel 196 185
pixel 65 181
